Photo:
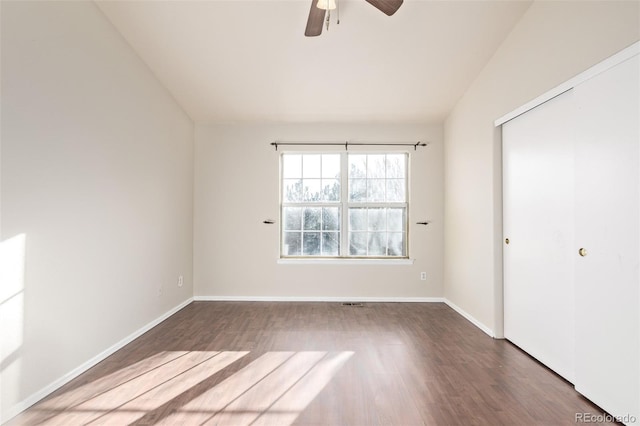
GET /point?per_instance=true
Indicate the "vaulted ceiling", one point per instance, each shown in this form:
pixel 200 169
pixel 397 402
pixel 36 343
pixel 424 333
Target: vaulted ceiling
pixel 243 60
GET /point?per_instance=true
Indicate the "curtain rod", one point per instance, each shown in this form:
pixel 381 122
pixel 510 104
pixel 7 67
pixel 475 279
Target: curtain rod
pixel 346 144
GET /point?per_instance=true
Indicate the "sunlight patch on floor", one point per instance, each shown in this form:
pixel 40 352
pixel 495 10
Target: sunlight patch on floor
pixel 291 382
pixel 109 382
pixel 129 400
pixel 177 388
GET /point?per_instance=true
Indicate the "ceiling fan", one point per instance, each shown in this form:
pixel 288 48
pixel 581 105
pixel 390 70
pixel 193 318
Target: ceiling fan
pixel 318 11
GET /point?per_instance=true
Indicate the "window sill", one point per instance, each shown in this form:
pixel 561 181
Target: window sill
pixel 345 261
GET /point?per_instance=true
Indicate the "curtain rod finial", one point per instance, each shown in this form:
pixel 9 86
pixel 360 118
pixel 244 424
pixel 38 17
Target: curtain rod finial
pixel 419 143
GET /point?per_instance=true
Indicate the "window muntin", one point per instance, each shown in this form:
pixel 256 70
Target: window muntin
pixel 310 178
pixel 344 205
pixel 311 231
pixel 377 231
pixel 377 177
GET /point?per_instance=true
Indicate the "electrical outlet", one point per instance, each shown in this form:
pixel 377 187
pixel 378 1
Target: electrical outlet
pixel 180 281
pixel 423 276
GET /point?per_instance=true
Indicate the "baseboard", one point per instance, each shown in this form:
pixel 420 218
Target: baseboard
pixel 8 414
pixel 469 317
pixel 317 299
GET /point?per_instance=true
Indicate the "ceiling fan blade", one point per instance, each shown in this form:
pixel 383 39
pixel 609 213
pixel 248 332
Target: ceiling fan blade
pixel 388 7
pixel 315 21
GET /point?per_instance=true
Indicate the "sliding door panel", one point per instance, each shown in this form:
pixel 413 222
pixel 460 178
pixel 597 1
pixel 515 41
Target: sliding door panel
pixel 538 223
pixel 607 229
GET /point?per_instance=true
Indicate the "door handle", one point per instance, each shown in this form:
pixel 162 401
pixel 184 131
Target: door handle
pixel 582 252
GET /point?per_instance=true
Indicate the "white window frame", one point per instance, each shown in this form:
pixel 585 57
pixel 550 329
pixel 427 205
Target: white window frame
pixel 344 205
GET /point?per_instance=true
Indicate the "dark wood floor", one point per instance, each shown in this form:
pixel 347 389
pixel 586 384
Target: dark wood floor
pixel 314 364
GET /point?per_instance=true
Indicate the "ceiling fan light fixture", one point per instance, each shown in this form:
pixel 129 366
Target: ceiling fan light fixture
pixel 320 13
pixel 326 4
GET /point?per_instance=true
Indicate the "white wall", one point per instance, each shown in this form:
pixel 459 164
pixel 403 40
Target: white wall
pixel 97 172
pixel 235 254
pixel 554 41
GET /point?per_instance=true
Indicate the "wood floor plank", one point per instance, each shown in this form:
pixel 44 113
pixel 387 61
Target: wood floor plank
pixel 268 363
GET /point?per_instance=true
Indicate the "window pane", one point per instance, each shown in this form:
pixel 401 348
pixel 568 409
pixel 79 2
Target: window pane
pixel 396 244
pixel 311 190
pixel 330 189
pixel 396 166
pixel 291 166
pixel 311 218
pixel 330 243
pixel 357 166
pixel 358 243
pixel 375 166
pixel 331 219
pixel 374 228
pixel 311 166
pixel 395 220
pixel 395 190
pixel 291 242
pixel 377 219
pixel 375 190
pixel 311 243
pixel 357 190
pixel 357 219
pixel 292 218
pixel 292 190
pixel 331 166
pixel 377 244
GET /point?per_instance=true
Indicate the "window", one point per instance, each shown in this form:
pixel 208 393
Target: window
pixel 344 205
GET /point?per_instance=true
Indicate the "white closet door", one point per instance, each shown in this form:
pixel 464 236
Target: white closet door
pixel 607 226
pixel 538 221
